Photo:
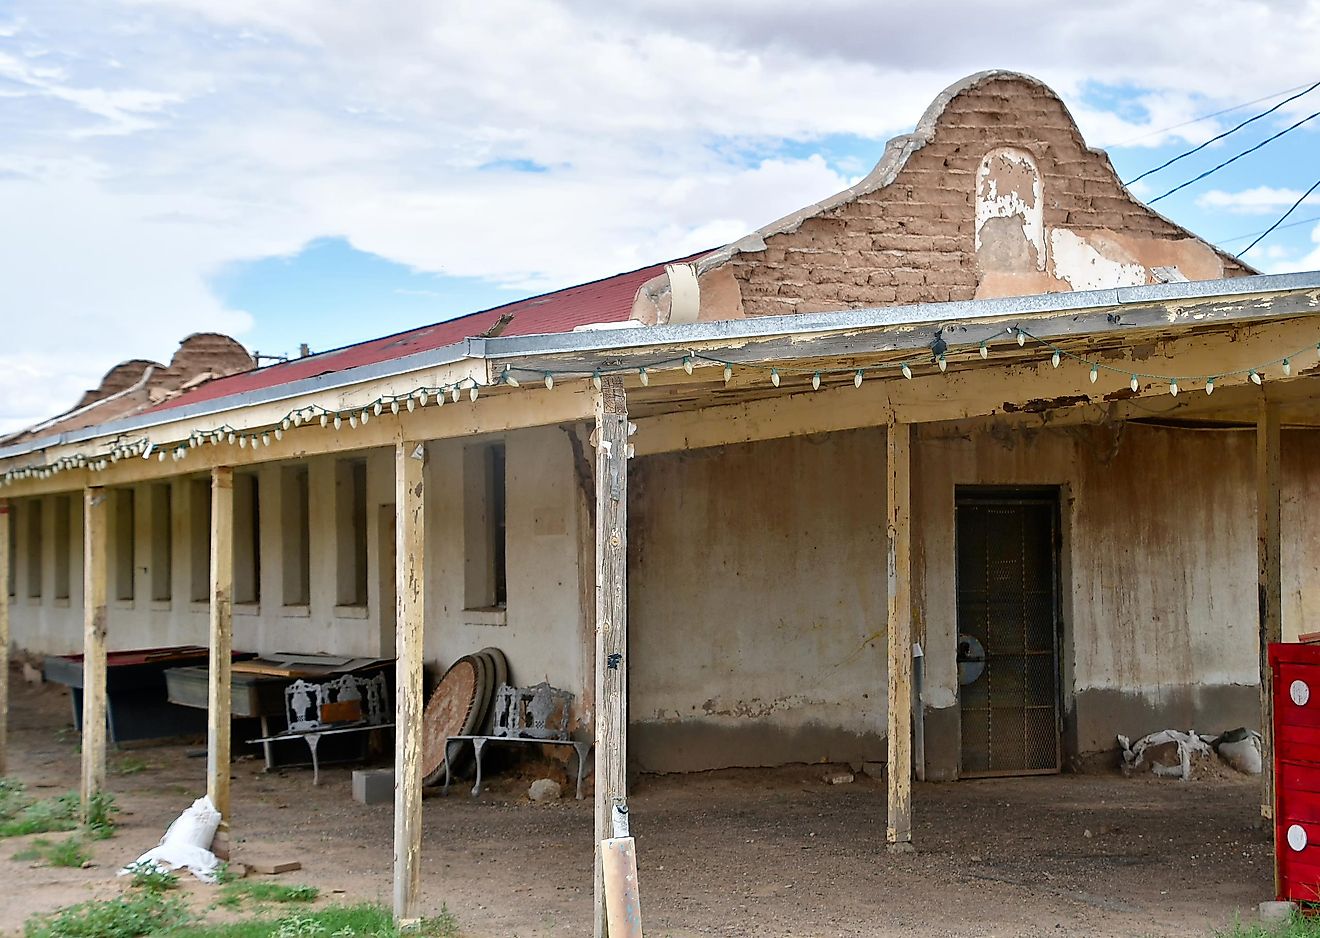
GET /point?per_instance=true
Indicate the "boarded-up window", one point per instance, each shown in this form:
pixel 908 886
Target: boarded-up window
pixel 122 517
pixel 35 547
pixel 162 542
pixel 63 533
pixel 199 540
pixel 351 531
pixel 247 539
pixel 485 579
pixel 296 536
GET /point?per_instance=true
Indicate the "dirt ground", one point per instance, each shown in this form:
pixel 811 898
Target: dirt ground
pixel 745 853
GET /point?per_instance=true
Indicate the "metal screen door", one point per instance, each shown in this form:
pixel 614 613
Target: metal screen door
pixel 1007 585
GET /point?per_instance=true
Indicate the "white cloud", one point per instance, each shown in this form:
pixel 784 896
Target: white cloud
pixel 148 143
pixel 1260 200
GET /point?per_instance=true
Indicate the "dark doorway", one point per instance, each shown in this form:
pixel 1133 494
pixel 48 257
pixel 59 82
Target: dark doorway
pixel 1008 630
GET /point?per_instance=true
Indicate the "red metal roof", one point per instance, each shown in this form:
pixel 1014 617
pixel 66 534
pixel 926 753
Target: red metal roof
pixel 607 300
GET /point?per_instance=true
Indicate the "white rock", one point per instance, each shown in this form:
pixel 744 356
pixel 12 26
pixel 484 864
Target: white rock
pixel 544 790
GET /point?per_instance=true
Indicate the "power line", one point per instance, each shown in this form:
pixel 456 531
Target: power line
pixel 1231 130
pixel 1206 117
pixel 1315 185
pixel 1234 159
pixel 1250 234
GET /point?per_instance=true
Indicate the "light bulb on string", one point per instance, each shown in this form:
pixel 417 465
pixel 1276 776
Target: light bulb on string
pixel 364 416
pixel 352 421
pixel 1173 387
pixel 284 424
pixel 279 434
pixel 1287 367
pixel 815 381
pixel 472 392
pixel 1021 337
pixel 1134 384
pixel 1254 375
pixel 325 418
pixel 644 377
pixel 595 380
pixel 1095 373
pixel 943 363
pixel 728 373
pixel 242 442
pixel 1209 386
pixel 376 409
pixel 422 398
pixel 549 381
pixel 509 379
pixel 857 378
pixel 230 438
pixel 907 372
pixel 1055 358
pixel 687 363
pixel 774 376
pixel 339 422
pixel 412 404
pixel 394 406
pixel 453 394
pixel 985 350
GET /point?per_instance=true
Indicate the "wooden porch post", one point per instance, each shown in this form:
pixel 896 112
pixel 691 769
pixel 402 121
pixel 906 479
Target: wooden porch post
pixel 410 542
pixel 1269 583
pixel 4 635
pixel 899 501
pixel 221 642
pixel 95 544
pixel 611 618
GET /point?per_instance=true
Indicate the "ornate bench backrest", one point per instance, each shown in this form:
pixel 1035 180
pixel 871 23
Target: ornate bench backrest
pixel 345 699
pixel 538 712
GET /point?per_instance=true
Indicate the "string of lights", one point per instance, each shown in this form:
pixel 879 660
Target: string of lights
pixel 936 357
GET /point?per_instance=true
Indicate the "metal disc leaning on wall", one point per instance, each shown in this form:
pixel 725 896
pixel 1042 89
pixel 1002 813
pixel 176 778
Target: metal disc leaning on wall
pixel 501 667
pixel 486 677
pixel 451 711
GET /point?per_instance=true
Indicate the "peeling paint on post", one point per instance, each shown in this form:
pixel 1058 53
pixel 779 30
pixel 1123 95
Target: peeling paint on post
pixel 410 495
pixel 899 475
pixel 4 634
pixel 1270 585
pixel 94 613
pixel 218 727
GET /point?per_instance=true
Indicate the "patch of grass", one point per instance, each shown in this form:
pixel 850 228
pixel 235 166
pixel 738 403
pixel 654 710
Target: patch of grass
pixel 129 916
pixel 152 878
pixel 234 894
pixel 20 815
pixel 68 852
pixel 342 921
pixel 130 765
pixel 1297 926
pixel 100 823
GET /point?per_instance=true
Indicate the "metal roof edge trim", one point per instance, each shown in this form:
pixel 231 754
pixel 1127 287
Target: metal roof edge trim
pixel 479 348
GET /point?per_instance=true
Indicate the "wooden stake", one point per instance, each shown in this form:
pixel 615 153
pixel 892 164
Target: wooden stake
pixel 96 543
pixel 221 641
pixel 1269 584
pixel 899 502
pixel 410 549
pixel 611 617
pixel 4 635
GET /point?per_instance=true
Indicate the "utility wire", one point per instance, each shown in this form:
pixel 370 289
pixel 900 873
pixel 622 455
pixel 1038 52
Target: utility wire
pixel 1252 234
pixel 1234 159
pixel 1315 185
pixel 1206 117
pixel 1231 130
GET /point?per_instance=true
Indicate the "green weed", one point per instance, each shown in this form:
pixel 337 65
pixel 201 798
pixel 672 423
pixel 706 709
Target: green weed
pixel 1297 926
pixel 344 921
pixel 152 878
pixel 129 916
pixel 232 895
pixel 68 852
pixel 129 765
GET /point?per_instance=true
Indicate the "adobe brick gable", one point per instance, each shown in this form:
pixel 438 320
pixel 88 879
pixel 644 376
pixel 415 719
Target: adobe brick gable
pixel 994 194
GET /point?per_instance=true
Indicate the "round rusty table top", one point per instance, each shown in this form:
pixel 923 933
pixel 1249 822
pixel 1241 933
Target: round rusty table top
pixel 453 710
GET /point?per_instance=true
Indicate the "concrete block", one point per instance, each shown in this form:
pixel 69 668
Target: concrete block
pixel 373 786
pixel 1276 911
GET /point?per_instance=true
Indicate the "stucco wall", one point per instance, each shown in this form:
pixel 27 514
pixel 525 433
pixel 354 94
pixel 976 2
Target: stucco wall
pixel 756 604
pixel 544 618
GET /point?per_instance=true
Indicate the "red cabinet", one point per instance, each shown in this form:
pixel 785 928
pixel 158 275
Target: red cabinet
pixel 1296 672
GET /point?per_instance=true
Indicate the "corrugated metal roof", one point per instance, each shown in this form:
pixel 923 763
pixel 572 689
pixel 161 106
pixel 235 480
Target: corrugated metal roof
pixel 606 300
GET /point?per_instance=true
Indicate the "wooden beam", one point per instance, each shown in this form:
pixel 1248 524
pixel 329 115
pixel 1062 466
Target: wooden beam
pixel 980 389
pixel 4 634
pixel 96 544
pixel 496 411
pixel 218 715
pixel 410 552
pixel 898 445
pixel 611 618
pixel 1269 582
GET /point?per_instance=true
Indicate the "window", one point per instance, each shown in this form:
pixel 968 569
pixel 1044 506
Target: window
pixel 162 542
pixel 199 540
pixel 247 539
pixel 63 545
pixel 294 503
pixel 122 518
pixel 35 555
pixel 484 533
pixel 351 531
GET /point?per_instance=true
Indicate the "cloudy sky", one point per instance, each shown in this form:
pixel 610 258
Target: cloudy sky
pixel 325 171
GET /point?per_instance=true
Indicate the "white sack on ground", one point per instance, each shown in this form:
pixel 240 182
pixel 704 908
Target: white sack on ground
pixel 186 843
pixel 1168 753
pixel 1240 748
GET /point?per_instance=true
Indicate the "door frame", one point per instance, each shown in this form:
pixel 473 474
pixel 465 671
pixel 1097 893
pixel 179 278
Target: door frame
pixel 1052 496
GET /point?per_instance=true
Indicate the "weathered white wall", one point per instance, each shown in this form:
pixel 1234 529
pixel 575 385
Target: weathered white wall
pixel 544 622
pixel 757 604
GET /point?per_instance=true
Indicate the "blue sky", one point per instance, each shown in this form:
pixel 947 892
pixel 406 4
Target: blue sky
pixel 325 171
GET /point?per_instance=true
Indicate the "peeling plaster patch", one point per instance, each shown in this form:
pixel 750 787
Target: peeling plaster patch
pixel 1008 187
pixel 1084 268
pixel 938 698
